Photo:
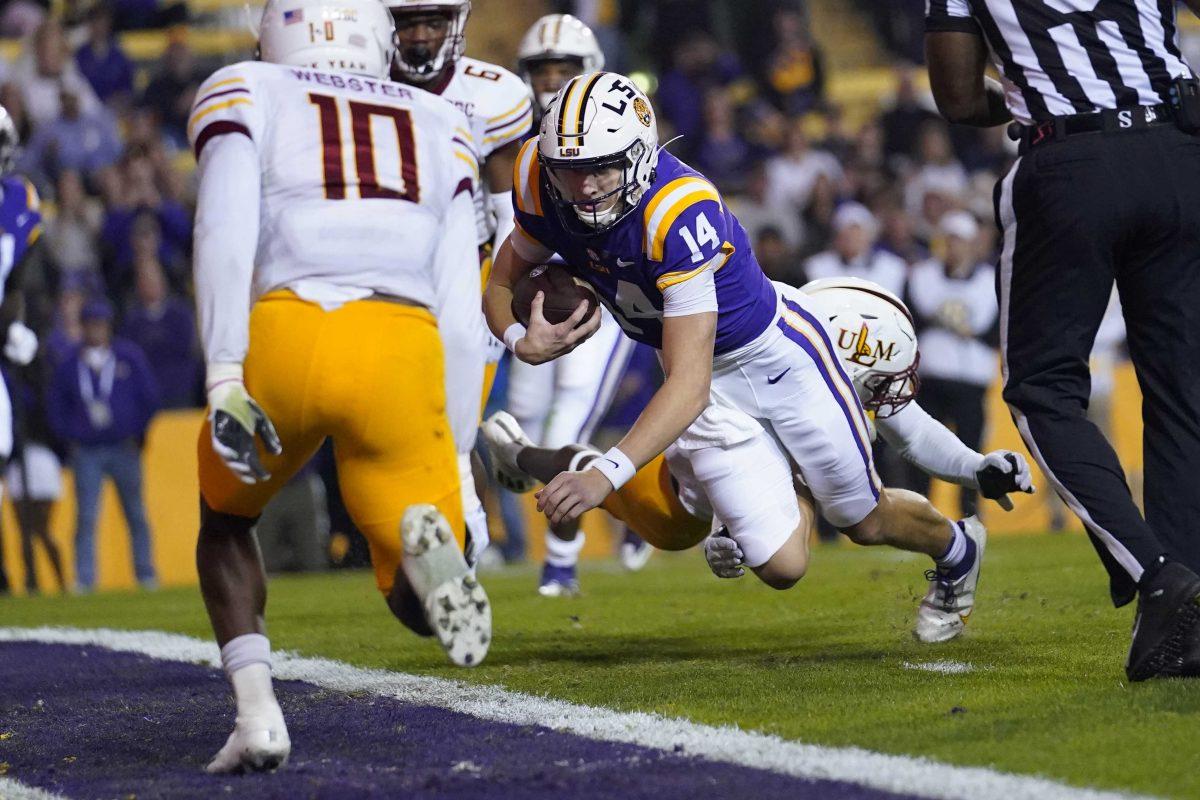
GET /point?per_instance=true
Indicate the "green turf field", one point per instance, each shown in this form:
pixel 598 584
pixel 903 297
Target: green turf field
pixel 823 663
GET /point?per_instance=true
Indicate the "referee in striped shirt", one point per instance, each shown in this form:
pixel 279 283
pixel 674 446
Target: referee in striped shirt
pixel 1107 188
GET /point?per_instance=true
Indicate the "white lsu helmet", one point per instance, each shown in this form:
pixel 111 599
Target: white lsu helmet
pixel 354 36
pixel 558 37
pixel 874 335
pixel 425 66
pixel 596 121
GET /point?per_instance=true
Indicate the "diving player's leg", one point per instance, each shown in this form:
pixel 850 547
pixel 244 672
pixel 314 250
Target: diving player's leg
pixel 748 487
pixel 817 417
pixel 401 482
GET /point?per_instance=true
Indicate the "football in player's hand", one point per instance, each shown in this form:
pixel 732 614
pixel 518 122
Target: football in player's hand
pixel 562 294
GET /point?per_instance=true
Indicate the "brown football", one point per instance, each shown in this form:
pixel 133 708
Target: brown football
pixel 562 294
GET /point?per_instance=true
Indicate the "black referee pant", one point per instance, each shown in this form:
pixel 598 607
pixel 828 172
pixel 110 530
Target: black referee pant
pixel 1078 214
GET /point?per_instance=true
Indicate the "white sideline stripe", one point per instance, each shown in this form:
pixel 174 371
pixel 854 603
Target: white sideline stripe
pixel 15 790
pixel 940 667
pixel 900 774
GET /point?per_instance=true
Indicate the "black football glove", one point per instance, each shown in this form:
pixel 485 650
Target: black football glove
pixel 235 420
pixel 1001 473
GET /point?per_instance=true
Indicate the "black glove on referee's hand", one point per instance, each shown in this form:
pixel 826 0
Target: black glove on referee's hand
pixel 1001 473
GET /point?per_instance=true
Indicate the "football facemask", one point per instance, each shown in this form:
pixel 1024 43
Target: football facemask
pixel 601 212
pixel 888 394
pixel 598 121
pixel 424 59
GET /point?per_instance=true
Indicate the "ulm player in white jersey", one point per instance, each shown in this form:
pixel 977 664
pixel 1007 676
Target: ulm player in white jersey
pixel 562 401
pixel 877 345
pixel 334 263
pixel 430 40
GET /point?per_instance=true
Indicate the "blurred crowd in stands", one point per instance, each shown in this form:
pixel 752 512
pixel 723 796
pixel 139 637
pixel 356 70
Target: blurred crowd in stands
pixel 741 87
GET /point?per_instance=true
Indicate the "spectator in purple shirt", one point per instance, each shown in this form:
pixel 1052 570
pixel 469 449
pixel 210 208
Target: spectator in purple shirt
pixel 163 325
pixel 66 333
pixel 102 62
pixel 101 400
pixel 698 64
pixel 723 155
pixel 136 192
pixel 78 140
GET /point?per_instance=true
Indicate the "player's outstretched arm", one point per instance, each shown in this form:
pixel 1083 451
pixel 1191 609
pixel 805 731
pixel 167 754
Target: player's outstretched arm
pixel 933 448
pixel 687 354
pixel 227 221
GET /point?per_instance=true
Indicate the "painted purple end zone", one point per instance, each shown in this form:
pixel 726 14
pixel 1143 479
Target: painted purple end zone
pixel 87 722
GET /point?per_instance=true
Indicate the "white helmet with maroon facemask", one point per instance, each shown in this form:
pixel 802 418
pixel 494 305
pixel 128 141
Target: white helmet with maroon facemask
pixel 423 62
pixel 597 122
pixel 874 334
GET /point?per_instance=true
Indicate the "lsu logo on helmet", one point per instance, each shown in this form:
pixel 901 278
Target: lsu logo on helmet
pixel 642 110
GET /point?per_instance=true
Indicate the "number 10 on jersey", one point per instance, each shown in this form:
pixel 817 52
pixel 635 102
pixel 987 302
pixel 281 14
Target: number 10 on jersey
pixel 368 181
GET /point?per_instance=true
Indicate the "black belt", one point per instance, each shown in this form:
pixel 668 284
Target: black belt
pixel 1106 121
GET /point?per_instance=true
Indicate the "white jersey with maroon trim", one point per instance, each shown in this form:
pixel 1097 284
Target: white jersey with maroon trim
pixel 499 106
pixel 358 177
pixel 497 102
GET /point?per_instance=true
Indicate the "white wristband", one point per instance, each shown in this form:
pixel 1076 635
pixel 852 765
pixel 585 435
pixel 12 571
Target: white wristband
pixel 615 466
pixel 514 334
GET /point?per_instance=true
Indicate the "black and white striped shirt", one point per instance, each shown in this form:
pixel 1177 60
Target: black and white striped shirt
pixel 1063 57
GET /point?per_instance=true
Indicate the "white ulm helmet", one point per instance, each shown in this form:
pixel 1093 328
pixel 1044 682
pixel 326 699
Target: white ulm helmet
pixel 599 120
pixel 874 334
pixel 336 35
pixel 558 37
pixel 426 66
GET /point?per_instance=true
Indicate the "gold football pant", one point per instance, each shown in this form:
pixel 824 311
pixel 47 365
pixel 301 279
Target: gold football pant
pixel 650 506
pixel 368 374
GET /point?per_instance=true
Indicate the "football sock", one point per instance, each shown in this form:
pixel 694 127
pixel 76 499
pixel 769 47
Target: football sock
pixel 563 554
pixel 473 513
pixel 247 662
pixel 959 556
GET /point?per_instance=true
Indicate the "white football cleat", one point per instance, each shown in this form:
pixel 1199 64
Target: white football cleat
pixel 635 551
pixel 456 606
pixel 948 604
pixel 505 440
pixel 257 744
